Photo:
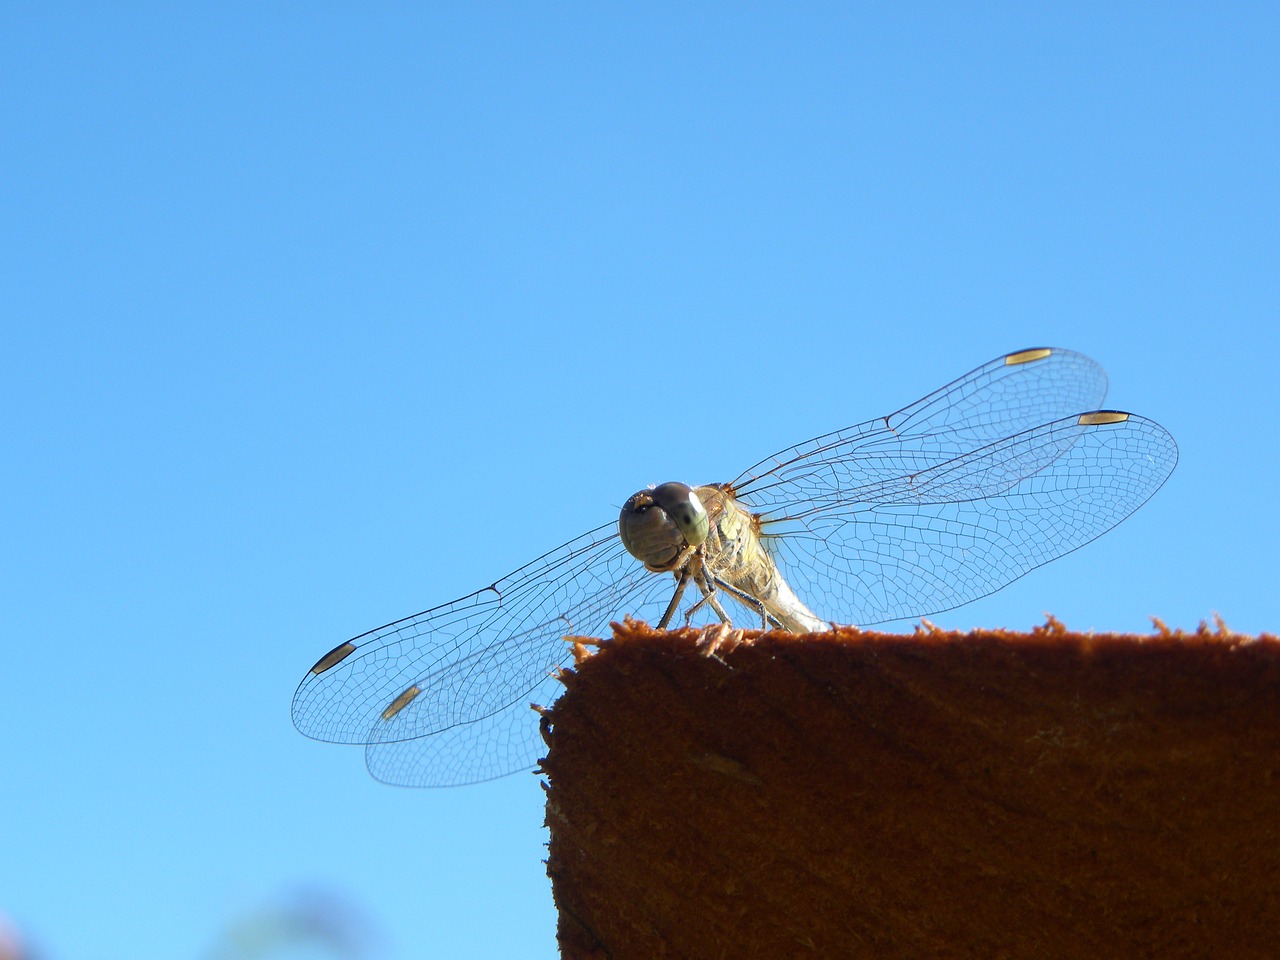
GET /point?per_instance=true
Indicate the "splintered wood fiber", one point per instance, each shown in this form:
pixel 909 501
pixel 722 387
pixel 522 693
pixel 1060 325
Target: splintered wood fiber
pixel 855 794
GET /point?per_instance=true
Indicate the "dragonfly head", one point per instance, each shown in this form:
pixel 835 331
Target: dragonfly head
pixel 657 525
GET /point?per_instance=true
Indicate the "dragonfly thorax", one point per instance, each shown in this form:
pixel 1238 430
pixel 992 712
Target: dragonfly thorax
pixel 658 525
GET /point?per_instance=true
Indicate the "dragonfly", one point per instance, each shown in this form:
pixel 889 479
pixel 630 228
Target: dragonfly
pixel 904 516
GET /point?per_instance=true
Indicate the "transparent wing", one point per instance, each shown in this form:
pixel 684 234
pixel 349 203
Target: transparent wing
pixel 969 526
pixel 960 493
pixel 508 741
pixel 999 399
pixel 466 672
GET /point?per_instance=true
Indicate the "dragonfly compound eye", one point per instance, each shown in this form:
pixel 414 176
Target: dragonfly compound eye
pixel 656 525
pixel 683 506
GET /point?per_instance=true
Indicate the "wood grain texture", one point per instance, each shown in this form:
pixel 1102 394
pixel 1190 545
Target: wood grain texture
pixel 856 794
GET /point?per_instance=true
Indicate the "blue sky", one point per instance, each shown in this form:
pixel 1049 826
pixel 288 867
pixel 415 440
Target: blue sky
pixel 316 315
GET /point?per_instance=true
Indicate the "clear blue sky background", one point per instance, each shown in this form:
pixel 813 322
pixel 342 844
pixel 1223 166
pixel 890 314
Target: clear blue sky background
pixel 315 315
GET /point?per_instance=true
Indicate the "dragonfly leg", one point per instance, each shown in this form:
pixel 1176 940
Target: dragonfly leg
pixel 710 597
pixel 709 586
pixel 675 599
pixel 747 600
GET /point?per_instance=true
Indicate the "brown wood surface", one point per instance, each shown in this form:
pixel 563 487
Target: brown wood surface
pixel 856 794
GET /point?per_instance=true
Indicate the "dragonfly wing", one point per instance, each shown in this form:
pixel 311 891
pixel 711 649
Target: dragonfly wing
pixel 914 544
pixel 1007 396
pixel 506 742
pixel 471 659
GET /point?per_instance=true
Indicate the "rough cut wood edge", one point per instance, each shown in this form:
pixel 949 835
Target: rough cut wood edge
pixel 857 794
